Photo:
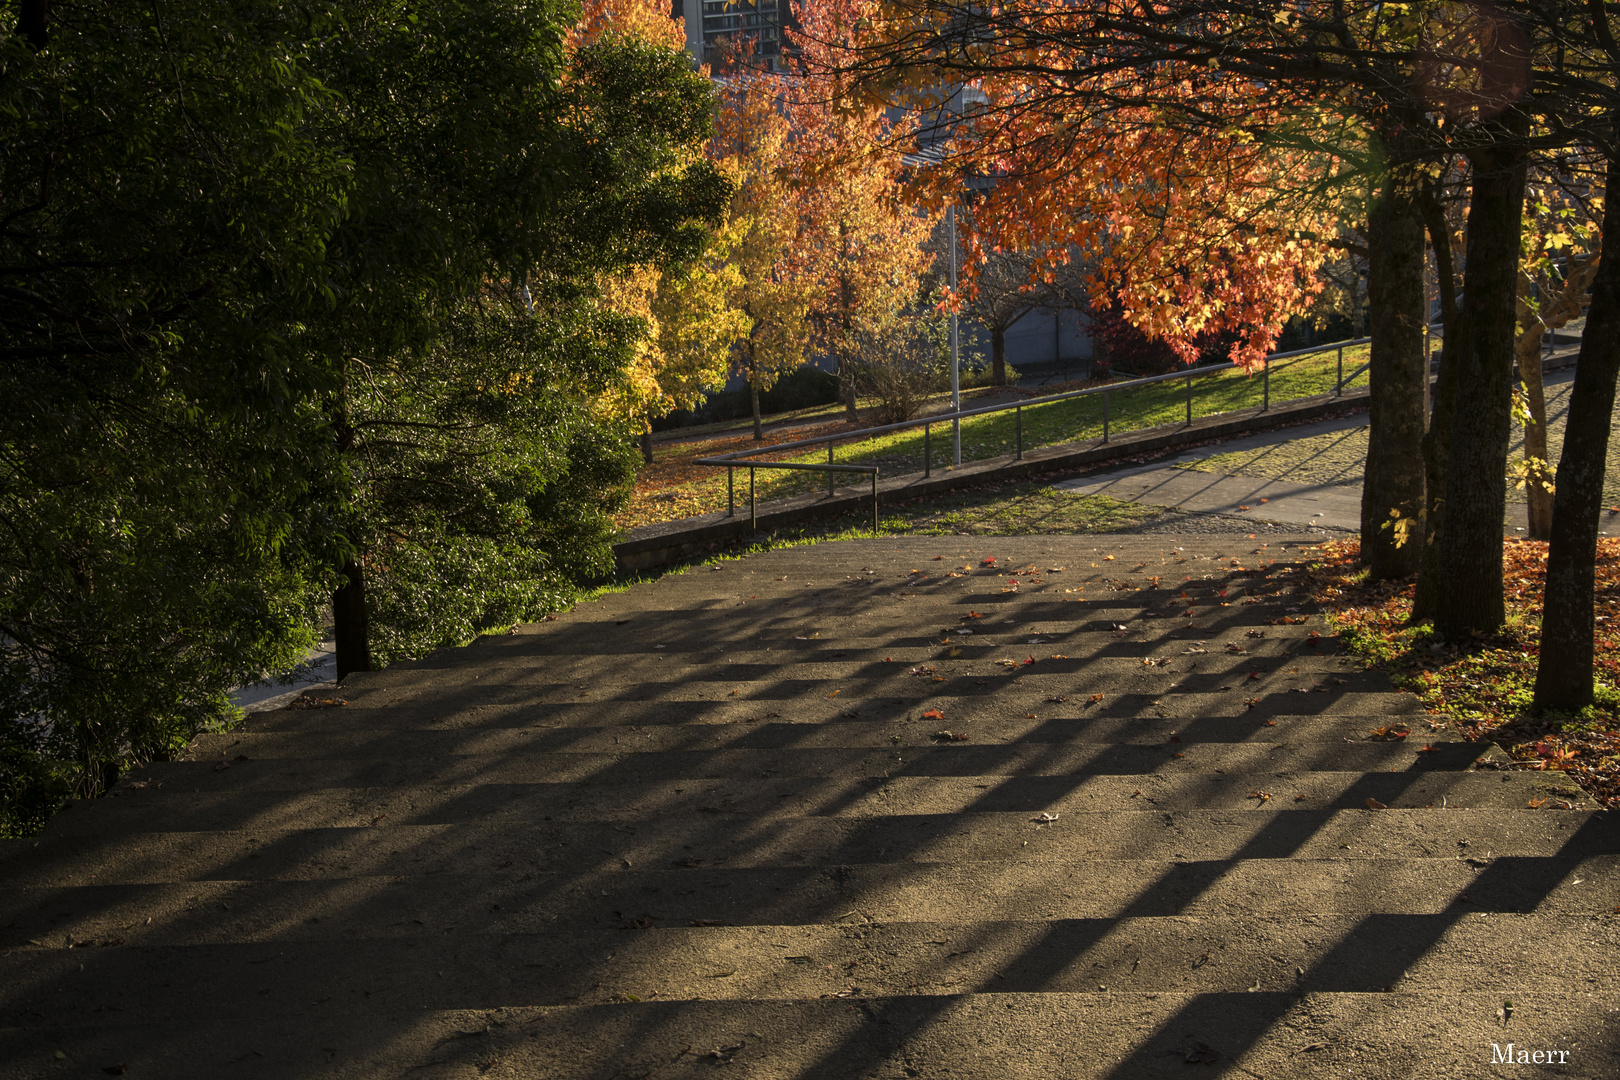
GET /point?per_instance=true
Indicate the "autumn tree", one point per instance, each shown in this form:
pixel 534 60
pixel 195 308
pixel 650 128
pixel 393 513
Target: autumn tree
pixel 688 310
pixel 776 286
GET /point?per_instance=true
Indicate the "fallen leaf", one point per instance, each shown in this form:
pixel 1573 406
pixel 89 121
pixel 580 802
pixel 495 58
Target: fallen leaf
pixel 1108 558
pixel 933 714
pixel 1261 795
pixel 1374 804
pixel 709 922
pixel 1389 733
pixel 1095 698
pixel 951 736
pixel 1045 818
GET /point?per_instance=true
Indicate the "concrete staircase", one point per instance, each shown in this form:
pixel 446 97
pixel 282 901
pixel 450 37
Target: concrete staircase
pixel 712 826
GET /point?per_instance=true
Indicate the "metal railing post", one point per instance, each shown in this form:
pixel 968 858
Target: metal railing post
pixel 928 459
pixel 1265 383
pixel 1189 399
pixel 830 461
pixel 1018 426
pixel 731 492
pixel 1105 416
pixel 753 514
pixel 1338 388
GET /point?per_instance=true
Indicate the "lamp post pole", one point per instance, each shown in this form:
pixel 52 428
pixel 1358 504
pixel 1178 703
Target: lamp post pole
pixel 956 364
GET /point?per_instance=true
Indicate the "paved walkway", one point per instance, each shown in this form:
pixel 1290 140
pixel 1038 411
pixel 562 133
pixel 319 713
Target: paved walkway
pixel 1171 484
pixel 815 814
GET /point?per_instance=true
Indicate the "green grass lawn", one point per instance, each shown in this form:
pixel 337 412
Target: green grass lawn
pixel 1060 422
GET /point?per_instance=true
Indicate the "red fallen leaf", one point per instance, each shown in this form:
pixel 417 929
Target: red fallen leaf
pixel 1254 675
pixel 1426 749
pixel 973 615
pixel 1179 754
pixel 1030 661
pixel 933 714
pixel 991 561
pixel 1390 733
pixel 1240 508
pixel 937 558
pixel 1265 500
pixel 1313 638
pixel 1095 698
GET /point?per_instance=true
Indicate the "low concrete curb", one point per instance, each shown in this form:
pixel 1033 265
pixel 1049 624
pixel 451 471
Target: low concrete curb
pixel 671 541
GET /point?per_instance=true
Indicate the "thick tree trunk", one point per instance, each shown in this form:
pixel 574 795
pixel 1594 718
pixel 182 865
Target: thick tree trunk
pixel 1564 669
pixel 352 624
pixel 1537 498
pixel 846 391
pixel 1470 595
pixel 646 444
pixel 753 397
pixel 1393 489
pixel 998 355
pixel 1437 440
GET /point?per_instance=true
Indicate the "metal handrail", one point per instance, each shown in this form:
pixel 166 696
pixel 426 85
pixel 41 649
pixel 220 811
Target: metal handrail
pixel 735 459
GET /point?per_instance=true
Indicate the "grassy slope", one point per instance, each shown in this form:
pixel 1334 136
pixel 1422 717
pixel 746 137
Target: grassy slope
pixel 675 488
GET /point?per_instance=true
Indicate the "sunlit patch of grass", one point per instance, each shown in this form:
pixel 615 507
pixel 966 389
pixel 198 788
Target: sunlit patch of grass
pixel 674 488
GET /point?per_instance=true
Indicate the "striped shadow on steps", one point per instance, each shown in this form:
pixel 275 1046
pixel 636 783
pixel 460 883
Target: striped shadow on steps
pixel 570 853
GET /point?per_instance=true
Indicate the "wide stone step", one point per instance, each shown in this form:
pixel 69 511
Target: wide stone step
pixel 1445 1035
pixel 590 886
pixel 952 759
pixel 723 840
pixel 264 807
pixel 412 967
pixel 906 728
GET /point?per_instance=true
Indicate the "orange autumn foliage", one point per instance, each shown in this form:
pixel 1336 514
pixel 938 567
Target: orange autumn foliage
pixel 1179 224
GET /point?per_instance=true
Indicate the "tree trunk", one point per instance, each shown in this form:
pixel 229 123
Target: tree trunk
pixel 646 443
pixel 1437 441
pixel 1558 304
pixel 1393 488
pixel 753 397
pixel 846 391
pixel 353 630
pixel 1564 668
pixel 1470 574
pixel 998 355
pixel 1537 498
